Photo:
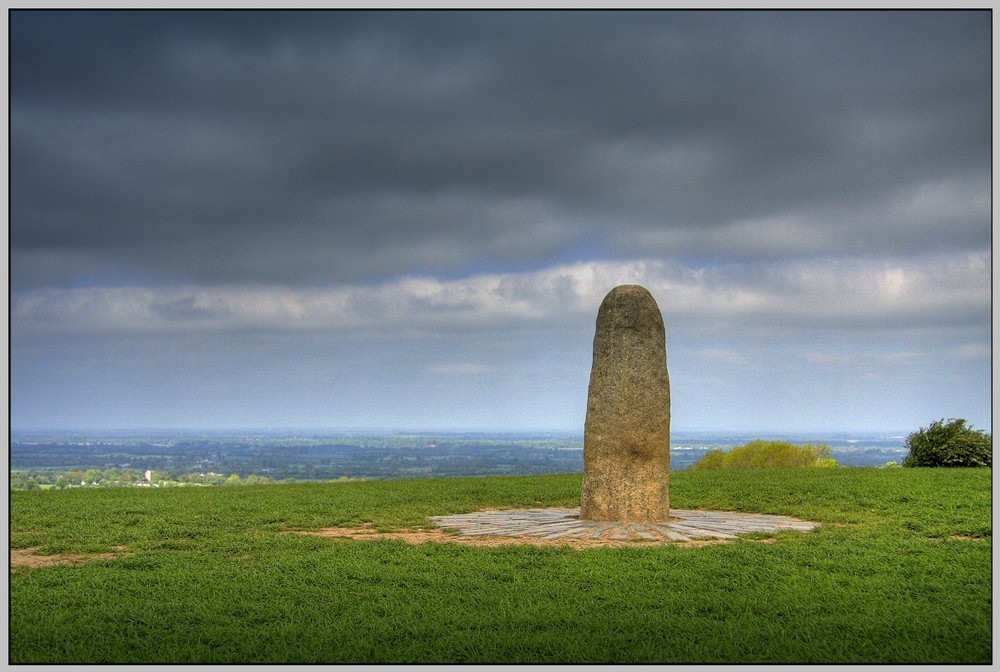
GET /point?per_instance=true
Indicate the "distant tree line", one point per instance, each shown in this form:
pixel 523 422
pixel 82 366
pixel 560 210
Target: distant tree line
pixel 112 477
pixel 215 462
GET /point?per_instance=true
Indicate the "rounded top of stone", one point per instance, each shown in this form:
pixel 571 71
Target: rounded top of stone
pixel 636 295
pixel 629 289
pixel 629 307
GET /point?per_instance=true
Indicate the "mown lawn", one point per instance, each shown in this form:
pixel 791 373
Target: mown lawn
pixel 899 572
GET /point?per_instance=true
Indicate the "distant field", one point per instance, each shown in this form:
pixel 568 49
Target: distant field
pixel 65 460
pixel 898 572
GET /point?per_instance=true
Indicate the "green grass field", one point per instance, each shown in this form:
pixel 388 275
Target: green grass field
pixel 899 572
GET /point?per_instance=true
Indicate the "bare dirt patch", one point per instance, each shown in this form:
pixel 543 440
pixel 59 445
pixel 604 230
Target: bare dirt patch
pixel 419 536
pixel 25 558
pixel 958 537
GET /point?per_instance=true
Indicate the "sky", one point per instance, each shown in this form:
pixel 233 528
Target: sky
pixel 408 220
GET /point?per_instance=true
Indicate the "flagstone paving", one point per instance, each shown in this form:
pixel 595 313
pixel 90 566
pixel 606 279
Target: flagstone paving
pixel 560 523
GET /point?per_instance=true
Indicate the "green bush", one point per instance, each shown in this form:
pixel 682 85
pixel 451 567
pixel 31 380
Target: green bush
pixel 949 444
pixel 761 454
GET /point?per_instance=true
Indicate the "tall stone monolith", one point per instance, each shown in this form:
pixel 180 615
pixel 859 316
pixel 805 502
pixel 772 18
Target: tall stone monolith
pixel 626 440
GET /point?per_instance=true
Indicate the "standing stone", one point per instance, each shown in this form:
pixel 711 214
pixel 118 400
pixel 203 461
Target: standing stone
pixel 626 439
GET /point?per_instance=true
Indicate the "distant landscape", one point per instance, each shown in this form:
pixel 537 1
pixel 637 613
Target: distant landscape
pixel 61 459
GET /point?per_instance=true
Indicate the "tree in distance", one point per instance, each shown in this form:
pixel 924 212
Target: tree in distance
pixel 949 444
pixel 762 454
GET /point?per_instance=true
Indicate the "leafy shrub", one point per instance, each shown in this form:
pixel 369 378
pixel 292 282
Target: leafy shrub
pixel 761 454
pixel 713 459
pixel 949 444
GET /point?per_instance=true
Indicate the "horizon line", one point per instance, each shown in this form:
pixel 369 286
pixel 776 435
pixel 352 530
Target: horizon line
pixel 342 429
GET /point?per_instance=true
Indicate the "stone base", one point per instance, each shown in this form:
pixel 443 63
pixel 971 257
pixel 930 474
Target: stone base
pixel 557 523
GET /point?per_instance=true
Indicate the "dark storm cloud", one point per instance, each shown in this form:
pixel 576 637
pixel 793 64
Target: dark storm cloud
pixel 310 147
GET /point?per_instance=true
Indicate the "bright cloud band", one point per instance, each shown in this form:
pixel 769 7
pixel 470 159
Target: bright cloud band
pixel 814 292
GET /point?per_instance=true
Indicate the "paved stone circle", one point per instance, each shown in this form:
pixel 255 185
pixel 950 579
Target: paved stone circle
pixel 561 523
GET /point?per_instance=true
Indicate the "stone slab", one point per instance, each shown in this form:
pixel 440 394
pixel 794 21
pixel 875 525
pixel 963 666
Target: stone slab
pixel 557 523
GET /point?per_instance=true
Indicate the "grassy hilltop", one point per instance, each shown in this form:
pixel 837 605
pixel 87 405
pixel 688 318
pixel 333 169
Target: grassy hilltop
pixel 898 572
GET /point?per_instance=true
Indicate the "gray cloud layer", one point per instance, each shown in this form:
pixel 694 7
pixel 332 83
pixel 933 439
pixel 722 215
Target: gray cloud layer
pixel 310 147
pixel 231 218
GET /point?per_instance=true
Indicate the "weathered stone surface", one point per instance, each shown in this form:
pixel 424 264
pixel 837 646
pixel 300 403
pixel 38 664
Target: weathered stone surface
pixel 626 444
